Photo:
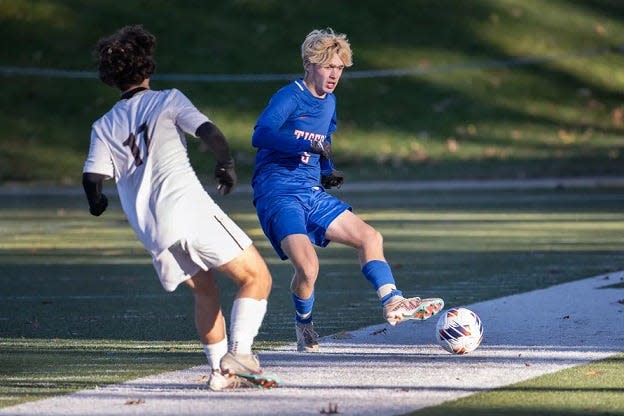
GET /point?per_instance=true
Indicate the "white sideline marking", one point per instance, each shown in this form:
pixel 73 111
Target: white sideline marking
pixel 393 372
pixel 591 182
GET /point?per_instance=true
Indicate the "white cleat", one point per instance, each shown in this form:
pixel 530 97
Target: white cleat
pixel 400 309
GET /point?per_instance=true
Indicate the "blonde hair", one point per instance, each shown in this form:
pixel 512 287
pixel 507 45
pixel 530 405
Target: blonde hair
pixel 320 46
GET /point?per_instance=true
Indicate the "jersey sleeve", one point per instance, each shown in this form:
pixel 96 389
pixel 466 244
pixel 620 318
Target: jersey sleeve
pixel 99 159
pixel 187 116
pixel 333 125
pixel 327 165
pixel 267 130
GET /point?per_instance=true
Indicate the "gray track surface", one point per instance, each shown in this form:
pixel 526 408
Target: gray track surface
pixel 383 370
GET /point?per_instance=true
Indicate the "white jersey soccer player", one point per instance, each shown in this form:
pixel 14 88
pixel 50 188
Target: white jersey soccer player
pixel 140 143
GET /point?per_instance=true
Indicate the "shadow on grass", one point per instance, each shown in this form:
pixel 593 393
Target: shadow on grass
pixel 32 369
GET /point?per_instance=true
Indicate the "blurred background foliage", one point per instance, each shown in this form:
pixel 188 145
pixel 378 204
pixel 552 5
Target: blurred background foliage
pixel 495 88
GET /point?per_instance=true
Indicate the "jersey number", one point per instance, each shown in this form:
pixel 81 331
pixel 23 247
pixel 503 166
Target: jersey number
pixel 131 142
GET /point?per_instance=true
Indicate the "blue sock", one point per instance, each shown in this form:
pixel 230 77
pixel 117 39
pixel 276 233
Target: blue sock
pixel 378 272
pixel 303 308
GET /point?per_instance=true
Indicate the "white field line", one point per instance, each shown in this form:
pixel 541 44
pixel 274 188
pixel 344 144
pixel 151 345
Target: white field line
pixel 440 185
pixel 383 370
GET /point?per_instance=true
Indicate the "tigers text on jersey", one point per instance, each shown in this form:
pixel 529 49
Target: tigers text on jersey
pixel 292 117
pixel 141 143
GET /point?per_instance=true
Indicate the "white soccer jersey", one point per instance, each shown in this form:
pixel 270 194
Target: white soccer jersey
pixel 140 143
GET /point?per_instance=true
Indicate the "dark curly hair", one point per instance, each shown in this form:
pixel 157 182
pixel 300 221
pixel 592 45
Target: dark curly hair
pixel 125 58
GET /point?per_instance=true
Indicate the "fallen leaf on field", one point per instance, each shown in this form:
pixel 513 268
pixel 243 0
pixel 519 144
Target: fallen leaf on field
pixel 332 409
pixel 380 331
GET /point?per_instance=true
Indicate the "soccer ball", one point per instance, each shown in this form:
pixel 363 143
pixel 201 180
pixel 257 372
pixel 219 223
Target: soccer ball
pixel 459 331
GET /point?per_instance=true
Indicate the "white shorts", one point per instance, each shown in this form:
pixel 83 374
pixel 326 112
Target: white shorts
pixel 214 241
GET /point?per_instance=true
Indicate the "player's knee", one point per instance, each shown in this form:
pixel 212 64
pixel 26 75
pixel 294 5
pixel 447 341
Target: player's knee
pixel 257 275
pixel 372 238
pixel 264 280
pixel 307 273
pixel 203 283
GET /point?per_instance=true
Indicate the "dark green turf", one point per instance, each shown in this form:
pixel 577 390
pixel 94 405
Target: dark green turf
pixel 68 275
pixel 77 288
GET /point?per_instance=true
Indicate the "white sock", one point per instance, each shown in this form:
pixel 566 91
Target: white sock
pixel 303 316
pixel 214 353
pixel 246 318
pixel 385 290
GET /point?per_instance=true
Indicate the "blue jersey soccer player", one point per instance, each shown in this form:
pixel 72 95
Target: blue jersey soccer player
pixel 293 168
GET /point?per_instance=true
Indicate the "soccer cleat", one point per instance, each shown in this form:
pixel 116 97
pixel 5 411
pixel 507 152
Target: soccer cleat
pixel 247 366
pixel 219 381
pixel 307 338
pixel 400 309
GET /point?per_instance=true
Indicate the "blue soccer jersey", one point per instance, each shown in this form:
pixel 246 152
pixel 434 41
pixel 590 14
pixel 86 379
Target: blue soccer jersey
pixel 288 196
pixel 283 135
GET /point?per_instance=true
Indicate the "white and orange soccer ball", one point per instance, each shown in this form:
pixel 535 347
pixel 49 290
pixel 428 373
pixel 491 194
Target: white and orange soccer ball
pixel 459 330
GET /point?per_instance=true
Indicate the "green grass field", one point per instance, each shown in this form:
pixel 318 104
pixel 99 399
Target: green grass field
pixel 81 305
pixel 464 117
pixel 591 389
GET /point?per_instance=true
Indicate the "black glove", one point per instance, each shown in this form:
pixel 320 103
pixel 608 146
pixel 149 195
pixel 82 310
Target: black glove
pixel 97 208
pixel 334 179
pixel 322 148
pixel 225 174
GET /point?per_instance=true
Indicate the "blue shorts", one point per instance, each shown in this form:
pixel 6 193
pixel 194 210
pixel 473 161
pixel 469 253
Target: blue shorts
pixel 308 211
